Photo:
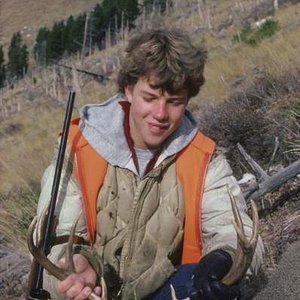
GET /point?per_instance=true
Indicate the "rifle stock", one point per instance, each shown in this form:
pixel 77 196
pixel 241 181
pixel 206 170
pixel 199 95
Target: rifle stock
pixel 35 283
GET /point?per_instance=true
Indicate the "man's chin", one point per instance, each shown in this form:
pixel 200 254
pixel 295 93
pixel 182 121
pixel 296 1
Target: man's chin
pixel 154 145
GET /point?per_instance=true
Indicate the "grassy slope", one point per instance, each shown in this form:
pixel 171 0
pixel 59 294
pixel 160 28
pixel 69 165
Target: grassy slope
pixel 38 125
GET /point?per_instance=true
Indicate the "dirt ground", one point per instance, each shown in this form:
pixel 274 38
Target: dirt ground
pixel 284 283
pixel 14 270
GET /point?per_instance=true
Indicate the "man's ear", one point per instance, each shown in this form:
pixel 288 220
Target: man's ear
pixel 128 90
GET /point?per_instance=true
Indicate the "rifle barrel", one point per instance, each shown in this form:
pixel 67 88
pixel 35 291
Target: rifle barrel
pixel 36 282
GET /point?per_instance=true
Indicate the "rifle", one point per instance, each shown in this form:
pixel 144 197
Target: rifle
pixel 35 286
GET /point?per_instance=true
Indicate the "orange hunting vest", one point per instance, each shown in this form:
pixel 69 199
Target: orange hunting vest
pixel 191 166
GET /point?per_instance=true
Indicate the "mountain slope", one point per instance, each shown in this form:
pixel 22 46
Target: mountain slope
pixel 27 16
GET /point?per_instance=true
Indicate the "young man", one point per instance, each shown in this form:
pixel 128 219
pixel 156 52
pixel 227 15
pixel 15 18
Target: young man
pixel 153 190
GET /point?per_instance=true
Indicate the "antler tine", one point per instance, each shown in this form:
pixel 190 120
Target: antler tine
pixel 173 294
pixel 41 228
pixel 104 289
pixel 41 258
pixel 255 219
pixel 245 248
pixel 69 249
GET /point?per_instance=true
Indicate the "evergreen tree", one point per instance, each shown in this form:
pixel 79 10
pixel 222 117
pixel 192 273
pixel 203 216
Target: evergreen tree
pixel 67 38
pixel 113 20
pixel 40 47
pixel 17 57
pixel 76 34
pixel 106 20
pixel 109 9
pixel 2 68
pixel 98 26
pixel 117 14
pixel 55 44
pixel 129 10
pixel 25 58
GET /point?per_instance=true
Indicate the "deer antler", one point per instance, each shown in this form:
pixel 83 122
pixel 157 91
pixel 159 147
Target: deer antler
pixel 245 248
pixel 57 272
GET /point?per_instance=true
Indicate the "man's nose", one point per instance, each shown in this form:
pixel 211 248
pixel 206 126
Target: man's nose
pixel 161 111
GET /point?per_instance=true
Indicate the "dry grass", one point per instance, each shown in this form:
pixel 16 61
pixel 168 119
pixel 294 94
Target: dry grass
pixel 276 55
pixel 17 209
pixel 261 107
pixel 35 134
pixel 27 139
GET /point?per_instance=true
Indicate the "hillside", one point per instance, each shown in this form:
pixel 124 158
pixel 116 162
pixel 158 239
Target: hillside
pixel 33 110
pixel 27 16
pixel 259 87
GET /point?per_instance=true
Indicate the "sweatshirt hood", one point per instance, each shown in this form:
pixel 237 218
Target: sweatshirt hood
pixel 102 126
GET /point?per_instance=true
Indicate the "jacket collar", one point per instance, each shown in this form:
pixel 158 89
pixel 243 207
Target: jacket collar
pixel 103 127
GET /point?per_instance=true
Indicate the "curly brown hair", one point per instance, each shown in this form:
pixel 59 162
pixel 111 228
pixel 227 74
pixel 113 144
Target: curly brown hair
pixel 169 57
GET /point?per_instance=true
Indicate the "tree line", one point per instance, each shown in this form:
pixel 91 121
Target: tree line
pixel 81 34
pixel 17 65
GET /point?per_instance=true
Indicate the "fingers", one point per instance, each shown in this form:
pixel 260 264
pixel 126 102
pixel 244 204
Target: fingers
pixel 70 282
pixel 98 290
pixel 74 287
pixel 79 285
pixel 84 293
pixel 80 262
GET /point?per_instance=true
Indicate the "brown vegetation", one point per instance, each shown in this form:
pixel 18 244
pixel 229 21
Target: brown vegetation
pixel 253 116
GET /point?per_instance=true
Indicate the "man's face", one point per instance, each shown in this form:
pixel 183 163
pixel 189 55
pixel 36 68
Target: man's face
pixel 154 114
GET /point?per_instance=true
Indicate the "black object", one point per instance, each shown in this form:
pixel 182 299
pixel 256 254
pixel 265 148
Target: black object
pixel 35 287
pixel 208 275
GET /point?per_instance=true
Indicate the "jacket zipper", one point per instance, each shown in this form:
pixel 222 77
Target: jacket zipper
pixel 142 189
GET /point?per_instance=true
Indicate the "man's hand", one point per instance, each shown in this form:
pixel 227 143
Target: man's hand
pixel 78 286
pixel 208 275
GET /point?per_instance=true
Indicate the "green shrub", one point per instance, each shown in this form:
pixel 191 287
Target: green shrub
pixel 267 29
pixel 253 36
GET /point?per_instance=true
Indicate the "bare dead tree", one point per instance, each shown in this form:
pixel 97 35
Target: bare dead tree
pixel 75 79
pixel 200 9
pixel 85 35
pixel 268 183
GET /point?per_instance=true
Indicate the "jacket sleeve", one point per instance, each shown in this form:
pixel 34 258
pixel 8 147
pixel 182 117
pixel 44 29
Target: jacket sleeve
pixel 217 228
pixel 69 198
pixel 68 209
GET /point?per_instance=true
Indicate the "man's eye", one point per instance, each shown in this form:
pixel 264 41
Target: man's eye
pixel 177 102
pixel 148 99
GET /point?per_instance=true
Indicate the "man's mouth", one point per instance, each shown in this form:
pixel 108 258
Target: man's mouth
pixel 158 128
